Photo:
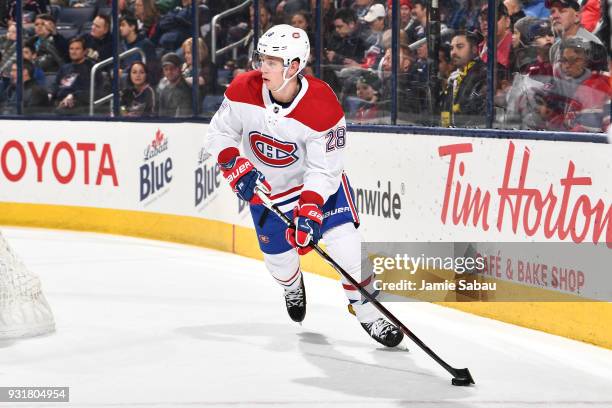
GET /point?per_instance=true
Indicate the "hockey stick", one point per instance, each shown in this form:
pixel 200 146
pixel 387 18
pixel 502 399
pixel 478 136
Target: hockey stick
pixel 461 376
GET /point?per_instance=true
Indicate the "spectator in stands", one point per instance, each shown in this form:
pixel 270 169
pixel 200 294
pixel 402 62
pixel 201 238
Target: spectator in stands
pixel 175 96
pixel 71 87
pixel 405 12
pixel 99 41
pixel 590 14
pixel 503 36
pixel 419 27
pixel 515 11
pixel 29 54
pixel 34 97
pixel 329 12
pixel 361 7
pixel 565 19
pixel 242 31
pixel 204 73
pixel 456 13
pixel 51 47
pixel 464 100
pixel 302 19
pixel 523 105
pixel 421 63
pixel 375 18
pixel 174 27
pixel 445 67
pixel 409 95
pixel 8 39
pixel 588 92
pixel 345 46
pixel 8 48
pixel 367 86
pixel 31 7
pixel 531 41
pixel 131 38
pixel 536 8
pixel 286 8
pixel 138 99
pixel 148 16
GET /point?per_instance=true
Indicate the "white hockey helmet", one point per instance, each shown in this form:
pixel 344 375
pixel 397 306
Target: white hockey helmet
pixel 287 43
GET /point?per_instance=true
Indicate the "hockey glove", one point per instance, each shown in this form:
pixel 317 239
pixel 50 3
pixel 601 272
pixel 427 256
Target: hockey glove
pixel 242 176
pixel 308 218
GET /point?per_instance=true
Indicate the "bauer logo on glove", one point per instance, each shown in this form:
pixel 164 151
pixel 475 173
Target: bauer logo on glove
pixel 307 217
pixel 242 176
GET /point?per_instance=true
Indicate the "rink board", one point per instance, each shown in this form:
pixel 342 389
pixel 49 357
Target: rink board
pixel 156 181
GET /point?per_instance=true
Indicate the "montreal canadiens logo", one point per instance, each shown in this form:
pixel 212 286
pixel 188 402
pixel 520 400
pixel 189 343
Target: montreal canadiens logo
pixel 272 152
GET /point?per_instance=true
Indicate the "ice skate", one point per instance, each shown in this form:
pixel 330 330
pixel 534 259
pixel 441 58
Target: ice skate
pixel 295 301
pixel 383 332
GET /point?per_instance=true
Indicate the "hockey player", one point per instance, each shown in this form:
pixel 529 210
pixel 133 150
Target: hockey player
pixel 286 133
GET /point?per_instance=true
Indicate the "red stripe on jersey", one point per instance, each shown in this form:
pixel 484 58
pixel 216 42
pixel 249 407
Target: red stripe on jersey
pixel 286 193
pixel 349 198
pixel 362 284
pixel 319 109
pixel 246 88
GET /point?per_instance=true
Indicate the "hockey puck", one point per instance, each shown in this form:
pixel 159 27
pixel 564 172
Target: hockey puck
pixel 462 377
pixel 461 382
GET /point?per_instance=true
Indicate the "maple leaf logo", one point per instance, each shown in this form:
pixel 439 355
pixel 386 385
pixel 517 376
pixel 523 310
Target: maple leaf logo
pixel 159 138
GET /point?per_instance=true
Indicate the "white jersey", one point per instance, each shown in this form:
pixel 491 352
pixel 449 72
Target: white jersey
pixel 296 148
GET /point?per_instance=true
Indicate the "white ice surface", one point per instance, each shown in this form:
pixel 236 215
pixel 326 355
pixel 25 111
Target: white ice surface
pixel 151 324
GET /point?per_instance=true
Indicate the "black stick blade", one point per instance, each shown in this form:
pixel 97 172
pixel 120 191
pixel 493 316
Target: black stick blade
pixel 462 378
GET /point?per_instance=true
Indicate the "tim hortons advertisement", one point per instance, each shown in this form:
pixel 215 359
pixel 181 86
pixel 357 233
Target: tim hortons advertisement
pixel 422 188
pixel 491 192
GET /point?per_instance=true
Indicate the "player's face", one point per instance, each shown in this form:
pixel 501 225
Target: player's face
pixel 573 64
pixel 461 51
pixel 271 71
pixel 563 18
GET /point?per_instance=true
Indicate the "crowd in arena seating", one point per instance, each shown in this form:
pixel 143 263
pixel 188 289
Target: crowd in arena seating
pixel 62 41
pixel 551 70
